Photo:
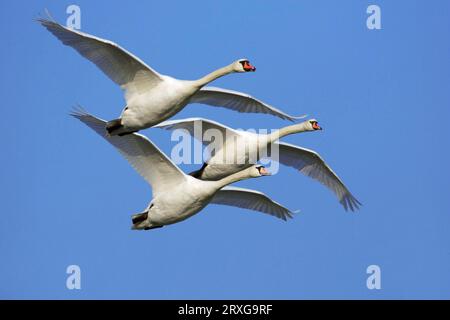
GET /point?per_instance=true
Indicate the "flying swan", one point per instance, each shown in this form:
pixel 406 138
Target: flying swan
pixel 176 195
pixel 152 97
pixel 306 161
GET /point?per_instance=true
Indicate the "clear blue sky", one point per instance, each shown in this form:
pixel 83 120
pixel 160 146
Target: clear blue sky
pixel 382 97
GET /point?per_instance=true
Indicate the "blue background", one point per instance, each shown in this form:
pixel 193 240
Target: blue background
pixel 382 97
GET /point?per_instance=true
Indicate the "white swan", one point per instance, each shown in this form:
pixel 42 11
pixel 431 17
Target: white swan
pixel 306 161
pixel 152 97
pixel 177 196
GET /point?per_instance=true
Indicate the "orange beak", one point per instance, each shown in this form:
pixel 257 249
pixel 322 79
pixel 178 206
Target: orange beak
pixel 316 126
pixel 248 67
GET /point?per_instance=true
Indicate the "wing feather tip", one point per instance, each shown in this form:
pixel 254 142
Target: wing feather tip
pixel 78 112
pixel 48 20
pixel 291 214
pixel 350 203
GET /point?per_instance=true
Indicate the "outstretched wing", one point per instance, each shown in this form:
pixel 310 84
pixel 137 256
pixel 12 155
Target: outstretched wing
pixel 311 164
pixel 237 101
pixel 150 162
pixel 252 200
pixel 197 127
pixel 125 69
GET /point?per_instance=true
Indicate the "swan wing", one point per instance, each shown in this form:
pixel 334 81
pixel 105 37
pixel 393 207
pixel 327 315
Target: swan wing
pixel 252 200
pixel 197 127
pixel 237 101
pixel 125 69
pixel 145 157
pixel 312 165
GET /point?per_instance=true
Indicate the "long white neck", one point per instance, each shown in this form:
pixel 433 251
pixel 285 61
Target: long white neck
pixel 295 128
pixel 235 177
pixel 214 75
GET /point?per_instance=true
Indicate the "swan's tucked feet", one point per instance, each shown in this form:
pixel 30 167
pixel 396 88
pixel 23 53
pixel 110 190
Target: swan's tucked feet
pixel 140 222
pixel 125 133
pixel 140 217
pixel 154 227
pixel 113 126
pixel 198 173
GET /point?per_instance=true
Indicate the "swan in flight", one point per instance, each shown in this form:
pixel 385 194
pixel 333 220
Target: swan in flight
pixel 219 165
pixel 150 96
pixel 176 195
